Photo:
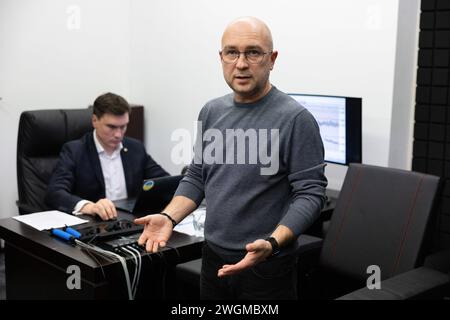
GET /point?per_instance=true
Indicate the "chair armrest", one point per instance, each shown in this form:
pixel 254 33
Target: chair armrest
pixel 307 249
pixel 317 228
pixel 439 261
pixel 306 244
pixel 420 283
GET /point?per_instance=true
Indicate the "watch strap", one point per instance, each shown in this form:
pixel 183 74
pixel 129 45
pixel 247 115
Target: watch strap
pixel 275 246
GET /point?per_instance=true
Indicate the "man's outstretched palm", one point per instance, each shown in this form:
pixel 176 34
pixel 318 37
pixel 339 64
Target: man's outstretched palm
pixel 157 231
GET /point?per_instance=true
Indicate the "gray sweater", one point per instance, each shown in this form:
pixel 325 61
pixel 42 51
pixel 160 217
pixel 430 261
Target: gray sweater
pixel 250 183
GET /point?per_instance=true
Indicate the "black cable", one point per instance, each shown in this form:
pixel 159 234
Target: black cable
pixel 112 256
pixel 162 267
pixel 149 257
pixel 178 254
pixel 153 266
pixel 163 272
pixel 97 261
pixel 92 239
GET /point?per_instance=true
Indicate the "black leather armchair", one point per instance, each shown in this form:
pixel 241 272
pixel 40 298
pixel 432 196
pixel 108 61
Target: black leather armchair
pixel 40 138
pixel 383 218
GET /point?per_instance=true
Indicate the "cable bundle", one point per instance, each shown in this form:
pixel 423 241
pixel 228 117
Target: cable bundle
pixel 109 256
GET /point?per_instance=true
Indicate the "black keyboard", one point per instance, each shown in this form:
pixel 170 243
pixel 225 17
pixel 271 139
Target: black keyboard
pixel 109 230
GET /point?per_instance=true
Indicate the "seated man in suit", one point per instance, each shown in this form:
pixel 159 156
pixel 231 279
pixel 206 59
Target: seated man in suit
pixel 102 166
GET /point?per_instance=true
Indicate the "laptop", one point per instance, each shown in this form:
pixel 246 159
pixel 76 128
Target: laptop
pixel 154 195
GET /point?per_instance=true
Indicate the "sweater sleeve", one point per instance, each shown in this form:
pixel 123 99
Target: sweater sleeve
pixel 304 156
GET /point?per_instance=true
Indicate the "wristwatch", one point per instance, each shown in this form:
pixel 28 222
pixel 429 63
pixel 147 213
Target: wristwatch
pixel 275 246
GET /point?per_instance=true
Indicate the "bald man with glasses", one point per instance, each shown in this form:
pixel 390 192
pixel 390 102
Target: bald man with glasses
pixel 254 215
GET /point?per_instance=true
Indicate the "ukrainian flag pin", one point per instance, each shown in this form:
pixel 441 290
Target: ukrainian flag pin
pixel 148 185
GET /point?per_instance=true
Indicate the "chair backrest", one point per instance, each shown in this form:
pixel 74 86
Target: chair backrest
pixel 41 136
pixel 381 218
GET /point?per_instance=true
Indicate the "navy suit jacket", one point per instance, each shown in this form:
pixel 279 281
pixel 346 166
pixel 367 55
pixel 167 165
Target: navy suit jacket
pixel 78 174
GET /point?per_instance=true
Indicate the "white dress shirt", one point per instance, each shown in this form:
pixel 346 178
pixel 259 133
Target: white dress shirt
pixel 113 174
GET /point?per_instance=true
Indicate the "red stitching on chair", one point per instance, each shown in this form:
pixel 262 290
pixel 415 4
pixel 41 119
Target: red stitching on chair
pixel 347 205
pixel 408 224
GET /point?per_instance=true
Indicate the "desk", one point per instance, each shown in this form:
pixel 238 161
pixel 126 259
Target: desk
pixel 36 266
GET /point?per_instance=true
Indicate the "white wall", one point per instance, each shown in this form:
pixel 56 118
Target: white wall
pixel 345 47
pixel 45 64
pixel 164 55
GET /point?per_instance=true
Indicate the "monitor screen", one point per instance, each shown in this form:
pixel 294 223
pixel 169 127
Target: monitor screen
pixel 339 120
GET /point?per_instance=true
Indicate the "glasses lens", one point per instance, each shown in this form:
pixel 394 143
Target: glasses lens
pixel 253 56
pixel 230 56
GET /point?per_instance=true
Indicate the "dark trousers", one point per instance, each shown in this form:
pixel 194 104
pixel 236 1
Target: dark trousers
pixel 273 279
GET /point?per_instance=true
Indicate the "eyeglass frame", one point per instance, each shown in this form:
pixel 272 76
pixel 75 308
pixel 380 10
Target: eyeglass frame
pixel 245 56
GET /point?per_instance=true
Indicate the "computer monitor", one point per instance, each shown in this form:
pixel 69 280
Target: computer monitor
pixel 339 120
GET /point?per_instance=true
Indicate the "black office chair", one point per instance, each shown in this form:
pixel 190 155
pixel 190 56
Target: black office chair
pixel 382 218
pixel 41 135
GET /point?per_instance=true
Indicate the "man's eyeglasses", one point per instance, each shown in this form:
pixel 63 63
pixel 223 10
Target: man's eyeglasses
pixel 252 56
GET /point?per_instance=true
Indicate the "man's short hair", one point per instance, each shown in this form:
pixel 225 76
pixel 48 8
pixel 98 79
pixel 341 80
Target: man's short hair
pixel 110 103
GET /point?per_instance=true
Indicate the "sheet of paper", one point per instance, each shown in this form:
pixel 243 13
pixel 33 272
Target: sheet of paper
pixel 49 219
pixel 189 227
